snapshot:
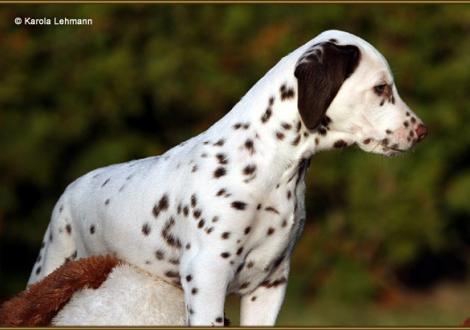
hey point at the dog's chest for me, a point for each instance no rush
(274, 233)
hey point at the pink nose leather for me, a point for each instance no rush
(421, 131)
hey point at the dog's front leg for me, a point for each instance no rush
(205, 281)
(261, 306)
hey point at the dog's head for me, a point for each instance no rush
(346, 80)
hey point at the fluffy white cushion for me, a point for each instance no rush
(128, 297)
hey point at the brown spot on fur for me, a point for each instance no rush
(267, 114)
(105, 182)
(325, 121)
(287, 93)
(169, 238)
(146, 229)
(159, 254)
(172, 274)
(238, 205)
(239, 268)
(222, 158)
(286, 126)
(322, 130)
(250, 146)
(296, 140)
(193, 200)
(275, 283)
(220, 171)
(174, 261)
(39, 304)
(161, 206)
(249, 169)
(340, 144)
(271, 209)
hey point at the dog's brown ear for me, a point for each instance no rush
(320, 72)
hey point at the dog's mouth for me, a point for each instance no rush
(393, 148)
(384, 147)
(391, 152)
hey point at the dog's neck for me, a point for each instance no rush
(269, 116)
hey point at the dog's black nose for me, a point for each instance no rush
(421, 131)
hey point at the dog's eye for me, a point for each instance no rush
(379, 89)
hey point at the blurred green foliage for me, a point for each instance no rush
(146, 77)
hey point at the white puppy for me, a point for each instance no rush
(222, 211)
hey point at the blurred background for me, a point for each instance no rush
(387, 240)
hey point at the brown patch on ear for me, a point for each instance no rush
(320, 72)
(40, 302)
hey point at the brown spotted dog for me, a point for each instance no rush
(221, 212)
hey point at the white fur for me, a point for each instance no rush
(127, 297)
(117, 200)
